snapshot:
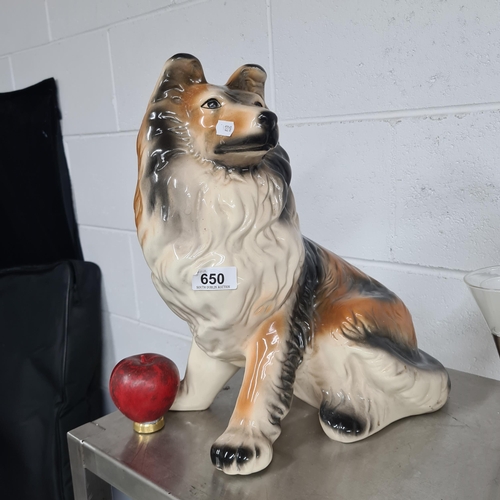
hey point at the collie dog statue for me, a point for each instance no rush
(214, 197)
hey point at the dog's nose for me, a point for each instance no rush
(268, 118)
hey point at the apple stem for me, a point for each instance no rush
(143, 358)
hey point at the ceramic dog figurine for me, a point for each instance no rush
(216, 219)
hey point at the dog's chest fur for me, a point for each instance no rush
(220, 218)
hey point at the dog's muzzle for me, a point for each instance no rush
(261, 140)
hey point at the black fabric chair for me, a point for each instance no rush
(50, 311)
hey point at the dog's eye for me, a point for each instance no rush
(257, 103)
(211, 104)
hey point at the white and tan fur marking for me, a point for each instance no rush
(224, 219)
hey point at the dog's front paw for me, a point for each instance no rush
(188, 399)
(241, 451)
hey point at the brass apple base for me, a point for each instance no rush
(149, 427)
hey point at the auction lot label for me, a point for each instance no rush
(224, 128)
(215, 278)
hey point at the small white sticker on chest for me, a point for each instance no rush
(215, 278)
(224, 128)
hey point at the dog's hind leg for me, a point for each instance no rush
(360, 389)
(333, 382)
(264, 400)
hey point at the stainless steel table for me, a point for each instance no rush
(453, 454)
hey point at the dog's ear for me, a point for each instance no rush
(179, 72)
(250, 77)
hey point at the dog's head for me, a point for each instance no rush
(227, 125)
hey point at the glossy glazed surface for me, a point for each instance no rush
(214, 191)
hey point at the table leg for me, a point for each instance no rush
(86, 485)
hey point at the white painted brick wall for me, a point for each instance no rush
(81, 65)
(389, 111)
(69, 17)
(223, 35)
(104, 168)
(23, 25)
(352, 57)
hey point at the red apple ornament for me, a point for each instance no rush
(143, 387)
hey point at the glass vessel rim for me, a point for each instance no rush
(469, 276)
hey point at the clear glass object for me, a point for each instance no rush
(484, 285)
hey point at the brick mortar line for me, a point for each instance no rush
(99, 135)
(110, 229)
(431, 112)
(401, 266)
(47, 17)
(410, 268)
(134, 280)
(270, 48)
(465, 109)
(11, 68)
(153, 327)
(113, 85)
